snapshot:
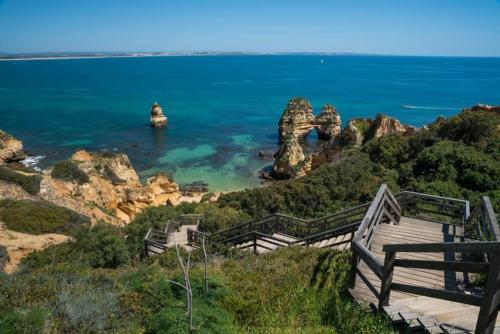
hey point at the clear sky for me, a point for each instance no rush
(408, 27)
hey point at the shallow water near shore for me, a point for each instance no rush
(222, 110)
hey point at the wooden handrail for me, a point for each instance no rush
(378, 211)
(487, 226)
(457, 247)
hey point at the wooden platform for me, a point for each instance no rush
(418, 309)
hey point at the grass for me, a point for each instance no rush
(293, 290)
(39, 217)
(29, 183)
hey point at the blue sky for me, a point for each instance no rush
(407, 27)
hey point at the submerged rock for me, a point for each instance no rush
(194, 187)
(158, 119)
(11, 149)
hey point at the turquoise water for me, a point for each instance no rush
(222, 110)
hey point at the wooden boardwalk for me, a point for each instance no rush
(403, 264)
(409, 231)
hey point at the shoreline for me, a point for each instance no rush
(220, 54)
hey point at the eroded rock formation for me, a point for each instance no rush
(298, 120)
(327, 123)
(158, 119)
(113, 193)
(384, 126)
(289, 159)
(11, 149)
(355, 131)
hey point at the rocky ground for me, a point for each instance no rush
(18, 245)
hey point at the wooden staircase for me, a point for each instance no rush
(413, 256)
(418, 271)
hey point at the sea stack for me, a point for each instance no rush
(158, 120)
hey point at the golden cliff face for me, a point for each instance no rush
(113, 192)
(11, 149)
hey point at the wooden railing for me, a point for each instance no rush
(432, 207)
(489, 302)
(305, 231)
(155, 241)
(383, 209)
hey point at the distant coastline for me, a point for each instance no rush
(89, 55)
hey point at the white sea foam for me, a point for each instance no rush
(33, 161)
(428, 108)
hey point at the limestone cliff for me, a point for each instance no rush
(297, 119)
(288, 159)
(384, 126)
(354, 132)
(296, 122)
(113, 192)
(327, 123)
(11, 149)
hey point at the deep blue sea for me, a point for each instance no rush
(222, 110)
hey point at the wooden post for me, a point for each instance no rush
(354, 267)
(255, 244)
(491, 300)
(385, 289)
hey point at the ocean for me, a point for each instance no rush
(222, 110)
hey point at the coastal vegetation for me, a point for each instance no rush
(30, 183)
(100, 281)
(39, 217)
(68, 170)
(458, 157)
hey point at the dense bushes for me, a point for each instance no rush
(30, 183)
(68, 170)
(38, 217)
(4, 257)
(102, 246)
(291, 290)
(352, 179)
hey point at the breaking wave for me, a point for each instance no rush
(33, 161)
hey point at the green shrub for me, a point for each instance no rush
(477, 128)
(4, 257)
(23, 322)
(68, 170)
(39, 217)
(103, 247)
(30, 183)
(465, 165)
(352, 179)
